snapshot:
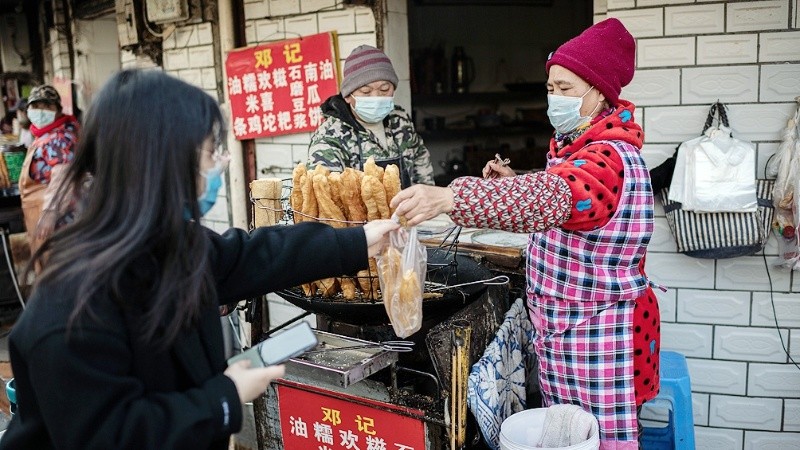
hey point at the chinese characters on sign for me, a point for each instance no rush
(278, 88)
(315, 421)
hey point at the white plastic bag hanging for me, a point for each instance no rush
(401, 270)
(715, 172)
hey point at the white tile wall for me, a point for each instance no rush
(728, 84)
(794, 345)
(341, 21)
(717, 377)
(600, 6)
(749, 344)
(791, 415)
(765, 151)
(301, 25)
(762, 121)
(256, 10)
(268, 30)
(676, 271)
(365, 21)
(674, 124)
(757, 16)
(700, 404)
(714, 307)
(620, 4)
(745, 412)
(787, 308)
(642, 22)
(689, 339)
(348, 42)
(666, 52)
(655, 154)
(776, 47)
(759, 440)
(717, 438)
(666, 304)
(284, 7)
(662, 240)
(646, 3)
(727, 49)
(310, 6)
(202, 56)
(774, 380)
(748, 273)
(654, 87)
(695, 19)
(779, 82)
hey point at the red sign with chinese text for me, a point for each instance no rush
(278, 88)
(312, 418)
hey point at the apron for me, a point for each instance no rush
(32, 198)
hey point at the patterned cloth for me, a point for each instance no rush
(54, 145)
(340, 141)
(497, 382)
(582, 292)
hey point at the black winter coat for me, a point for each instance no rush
(101, 388)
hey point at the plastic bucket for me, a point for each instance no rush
(523, 430)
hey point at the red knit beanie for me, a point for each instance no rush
(604, 55)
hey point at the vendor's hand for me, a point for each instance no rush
(422, 202)
(377, 233)
(46, 224)
(250, 383)
(494, 170)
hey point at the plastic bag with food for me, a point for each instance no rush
(401, 271)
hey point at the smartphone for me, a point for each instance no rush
(281, 347)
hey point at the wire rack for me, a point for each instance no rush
(367, 285)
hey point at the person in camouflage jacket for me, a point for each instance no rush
(340, 141)
(349, 135)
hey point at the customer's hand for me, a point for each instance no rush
(46, 224)
(250, 383)
(377, 233)
(493, 169)
(422, 202)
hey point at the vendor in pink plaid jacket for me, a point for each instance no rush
(590, 216)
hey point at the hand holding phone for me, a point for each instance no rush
(281, 347)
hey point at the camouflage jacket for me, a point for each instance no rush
(336, 143)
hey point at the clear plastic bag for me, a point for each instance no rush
(401, 270)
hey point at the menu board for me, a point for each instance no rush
(277, 88)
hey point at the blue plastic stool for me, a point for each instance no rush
(676, 391)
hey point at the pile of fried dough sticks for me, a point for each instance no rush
(342, 199)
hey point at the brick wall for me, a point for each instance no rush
(746, 394)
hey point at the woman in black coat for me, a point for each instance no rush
(120, 346)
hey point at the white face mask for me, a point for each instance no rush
(41, 117)
(565, 112)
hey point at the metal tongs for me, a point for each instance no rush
(392, 346)
(494, 281)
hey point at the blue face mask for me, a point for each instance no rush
(373, 109)
(565, 112)
(213, 179)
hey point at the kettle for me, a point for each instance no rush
(462, 71)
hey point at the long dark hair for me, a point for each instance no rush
(140, 142)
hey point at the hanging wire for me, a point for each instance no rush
(774, 313)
